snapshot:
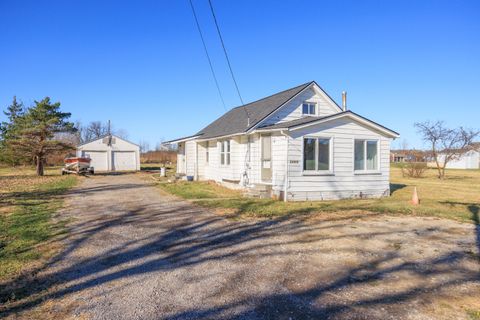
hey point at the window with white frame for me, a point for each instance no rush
(317, 154)
(366, 155)
(225, 152)
(309, 108)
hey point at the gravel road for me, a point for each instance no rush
(137, 253)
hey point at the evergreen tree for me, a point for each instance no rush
(36, 129)
(8, 128)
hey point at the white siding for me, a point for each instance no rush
(181, 168)
(190, 157)
(240, 160)
(118, 145)
(201, 153)
(344, 182)
(211, 168)
(470, 160)
(293, 109)
(230, 172)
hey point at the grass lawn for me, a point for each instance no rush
(457, 197)
(27, 205)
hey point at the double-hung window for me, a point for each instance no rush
(366, 155)
(317, 155)
(225, 152)
(309, 108)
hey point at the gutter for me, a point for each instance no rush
(285, 186)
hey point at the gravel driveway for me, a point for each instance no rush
(136, 253)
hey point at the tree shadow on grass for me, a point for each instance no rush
(178, 236)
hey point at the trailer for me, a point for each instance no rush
(77, 165)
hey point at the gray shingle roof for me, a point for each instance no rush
(235, 120)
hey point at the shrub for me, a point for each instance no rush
(414, 169)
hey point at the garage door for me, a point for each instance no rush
(99, 159)
(124, 161)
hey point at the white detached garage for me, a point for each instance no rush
(111, 153)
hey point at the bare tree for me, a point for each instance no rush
(446, 144)
(144, 146)
(121, 133)
(95, 130)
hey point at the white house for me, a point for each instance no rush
(470, 160)
(111, 153)
(297, 143)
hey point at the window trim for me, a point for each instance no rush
(317, 172)
(315, 104)
(223, 154)
(365, 170)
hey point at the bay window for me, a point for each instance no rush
(366, 155)
(317, 154)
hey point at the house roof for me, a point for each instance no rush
(305, 121)
(235, 120)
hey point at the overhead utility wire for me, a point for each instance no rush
(228, 61)
(208, 56)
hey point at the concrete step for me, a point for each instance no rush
(259, 191)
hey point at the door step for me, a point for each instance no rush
(263, 191)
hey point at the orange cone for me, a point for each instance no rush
(415, 200)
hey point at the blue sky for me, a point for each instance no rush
(141, 63)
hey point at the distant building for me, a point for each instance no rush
(111, 153)
(470, 160)
(398, 157)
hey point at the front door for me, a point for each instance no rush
(266, 158)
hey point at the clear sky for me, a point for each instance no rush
(141, 63)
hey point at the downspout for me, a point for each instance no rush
(246, 178)
(285, 186)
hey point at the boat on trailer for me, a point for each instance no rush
(77, 165)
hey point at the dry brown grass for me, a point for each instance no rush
(457, 197)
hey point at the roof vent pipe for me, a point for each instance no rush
(344, 100)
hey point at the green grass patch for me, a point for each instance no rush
(199, 190)
(473, 314)
(26, 221)
(457, 197)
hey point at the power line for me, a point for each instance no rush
(208, 56)
(228, 60)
